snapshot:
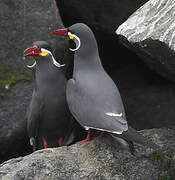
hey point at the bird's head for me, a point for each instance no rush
(80, 33)
(40, 50)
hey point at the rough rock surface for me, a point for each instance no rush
(22, 22)
(150, 33)
(102, 15)
(14, 140)
(98, 159)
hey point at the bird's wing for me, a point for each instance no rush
(94, 114)
(33, 118)
(71, 96)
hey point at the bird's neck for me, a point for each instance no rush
(48, 74)
(87, 56)
(85, 63)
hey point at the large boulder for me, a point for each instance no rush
(149, 100)
(98, 159)
(102, 15)
(150, 33)
(22, 22)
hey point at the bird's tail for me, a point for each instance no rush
(134, 136)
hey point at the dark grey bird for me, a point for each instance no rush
(93, 97)
(49, 121)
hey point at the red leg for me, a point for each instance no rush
(60, 141)
(88, 137)
(45, 144)
(103, 134)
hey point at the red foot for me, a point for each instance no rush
(45, 144)
(60, 141)
(88, 137)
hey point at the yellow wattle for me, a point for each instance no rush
(71, 36)
(43, 53)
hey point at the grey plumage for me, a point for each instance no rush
(48, 116)
(92, 96)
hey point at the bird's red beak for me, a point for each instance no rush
(35, 51)
(61, 32)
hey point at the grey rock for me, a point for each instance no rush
(102, 15)
(98, 159)
(14, 140)
(150, 33)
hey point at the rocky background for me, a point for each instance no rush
(137, 50)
